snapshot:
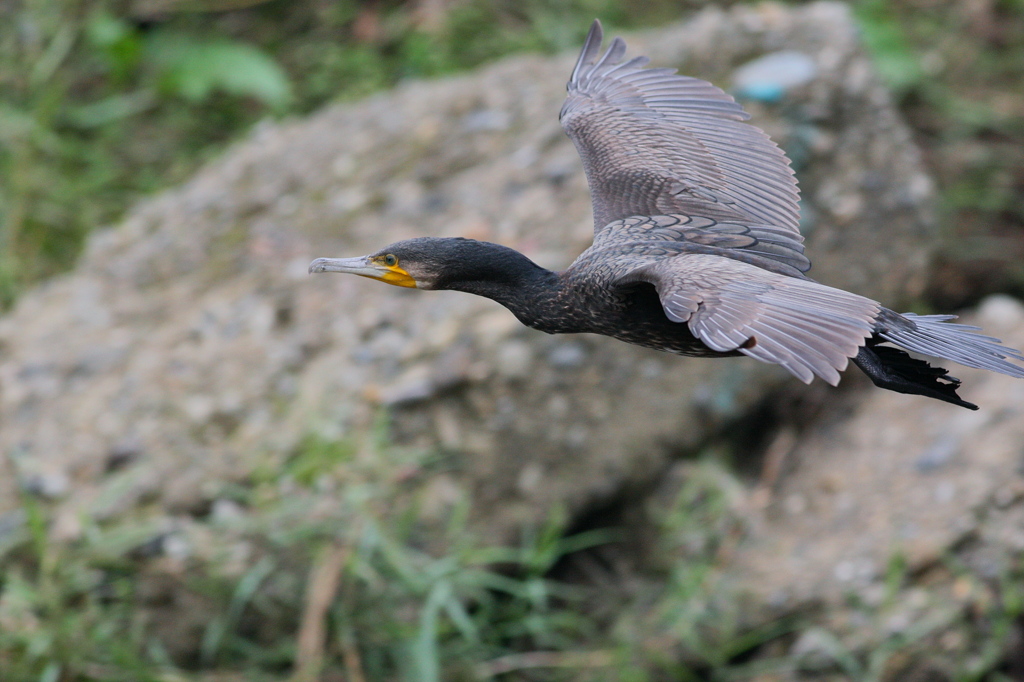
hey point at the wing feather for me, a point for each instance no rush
(644, 133)
(771, 245)
(591, 47)
(808, 328)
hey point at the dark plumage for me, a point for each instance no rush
(696, 247)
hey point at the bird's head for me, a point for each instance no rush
(435, 263)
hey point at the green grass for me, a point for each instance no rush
(148, 598)
(85, 611)
(225, 596)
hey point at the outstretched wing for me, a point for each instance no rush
(808, 328)
(654, 142)
(773, 248)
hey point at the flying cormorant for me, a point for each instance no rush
(697, 249)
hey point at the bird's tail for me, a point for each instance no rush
(936, 336)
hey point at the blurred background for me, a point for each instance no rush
(318, 564)
(105, 102)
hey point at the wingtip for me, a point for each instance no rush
(591, 47)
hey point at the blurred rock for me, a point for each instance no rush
(191, 333)
(898, 478)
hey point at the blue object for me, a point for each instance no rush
(770, 77)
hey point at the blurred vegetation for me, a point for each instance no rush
(321, 568)
(91, 612)
(957, 71)
(105, 101)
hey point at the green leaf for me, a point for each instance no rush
(221, 627)
(110, 109)
(104, 29)
(194, 68)
(890, 49)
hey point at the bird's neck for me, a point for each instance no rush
(528, 290)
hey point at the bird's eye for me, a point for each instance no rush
(391, 260)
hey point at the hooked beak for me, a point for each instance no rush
(364, 267)
(353, 266)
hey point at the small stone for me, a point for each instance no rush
(122, 454)
(769, 78)
(576, 436)
(198, 408)
(814, 649)
(176, 547)
(557, 172)
(530, 478)
(524, 157)
(226, 511)
(873, 595)
(11, 523)
(860, 571)
(918, 598)
(847, 207)
(514, 359)
(558, 406)
(567, 356)
(453, 367)
(297, 268)
(443, 334)
(1006, 496)
(491, 328)
(348, 200)
(952, 640)
(795, 504)
(486, 120)
(440, 494)
(287, 205)
(52, 485)
(962, 588)
(67, 527)
(899, 622)
(651, 369)
(938, 454)
(845, 571)
(413, 385)
(944, 492)
(343, 166)
(1001, 311)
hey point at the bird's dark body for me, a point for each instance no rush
(588, 297)
(569, 303)
(697, 248)
(635, 315)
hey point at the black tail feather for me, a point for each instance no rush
(893, 369)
